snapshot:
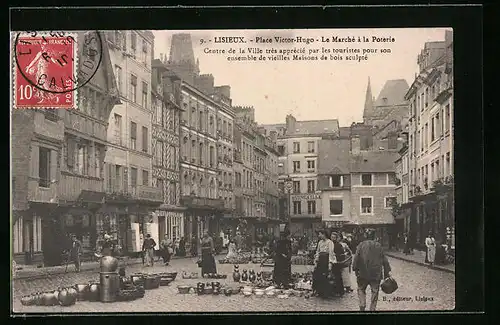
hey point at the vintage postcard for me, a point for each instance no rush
(301, 170)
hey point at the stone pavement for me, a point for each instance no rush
(420, 287)
(418, 257)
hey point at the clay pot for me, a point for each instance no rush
(236, 274)
(200, 288)
(82, 290)
(37, 298)
(49, 299)
(65, 297)
(244, 276)
(252, 277)
(28, 300)
(183, 289)
(94, 289)
(109, 264)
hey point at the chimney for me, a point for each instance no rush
(290, 124)
(355, 145)
(274, 136)
(224, 90)
(205, 83)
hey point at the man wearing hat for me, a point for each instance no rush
(370, 265)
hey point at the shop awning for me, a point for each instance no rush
(91, 197)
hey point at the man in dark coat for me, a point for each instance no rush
(282, 260)
(370, 265)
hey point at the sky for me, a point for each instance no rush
(309, 90)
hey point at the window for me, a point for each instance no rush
(433, 134)
(119, 81)
(296, 186)
(144, 139)
(159, 112)
(43, 167)
(133, 136)
(426, 135)
(144, 101)
(297, 207)
(310, 146)
(311, 188)
(144, 51)
(159, 153)
(448, 164)
(118, 129)
(389, 201)
(336, 207)
(145, 178)
(296, 147)
(133, 43)
(311, 165)
(366, 205)
(391, 179)
(447, 122)
(426, 97)
(367, 179)
(159, 184)
(311, 207)
(82, 159)
(437, 125)
(296, 166)
(133, 177)
(133, 88)
(281, 150)
(336, 181)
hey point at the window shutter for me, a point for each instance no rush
(144, 139)
(112, 177)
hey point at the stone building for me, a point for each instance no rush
(58, 171)
(430, 145)
(131, 198)
(166, 149)
(206, 141)
(298, 148)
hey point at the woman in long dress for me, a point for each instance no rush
(323, 262)
(430, 242)
(338, 249)
(207, 255)
(346, 271)
(282, 260)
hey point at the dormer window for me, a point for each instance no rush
(336, 181)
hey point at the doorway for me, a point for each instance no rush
(28, 241)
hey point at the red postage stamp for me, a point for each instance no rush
(45, 70)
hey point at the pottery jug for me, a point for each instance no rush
(236, 275)
(259, 276)
(109, 264)
(27, 300)
(94, 291)
(244, 276)
(66, 298)
(200, 287)
(251, 276)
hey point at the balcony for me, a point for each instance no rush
(71, 185)
(191, 201)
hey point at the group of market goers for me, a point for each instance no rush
(335, 258)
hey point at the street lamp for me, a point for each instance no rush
(288, 186)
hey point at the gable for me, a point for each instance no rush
(336, 170)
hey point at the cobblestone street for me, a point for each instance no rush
(436, 286)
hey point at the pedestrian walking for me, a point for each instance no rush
(346, 270)
(75, 252)
(282, 272)
(338, 249)
(148, 247)
(370, 265)
(182, 247)
(406, 249)
(323, 263)
(430, 243)
(165, 249)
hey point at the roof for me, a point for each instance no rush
(333, 156)
(344, 131)
(394, 91)
(315, 127)
(373, 161)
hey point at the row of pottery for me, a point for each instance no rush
(63, 296)
(214, 276)
(246, 275)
